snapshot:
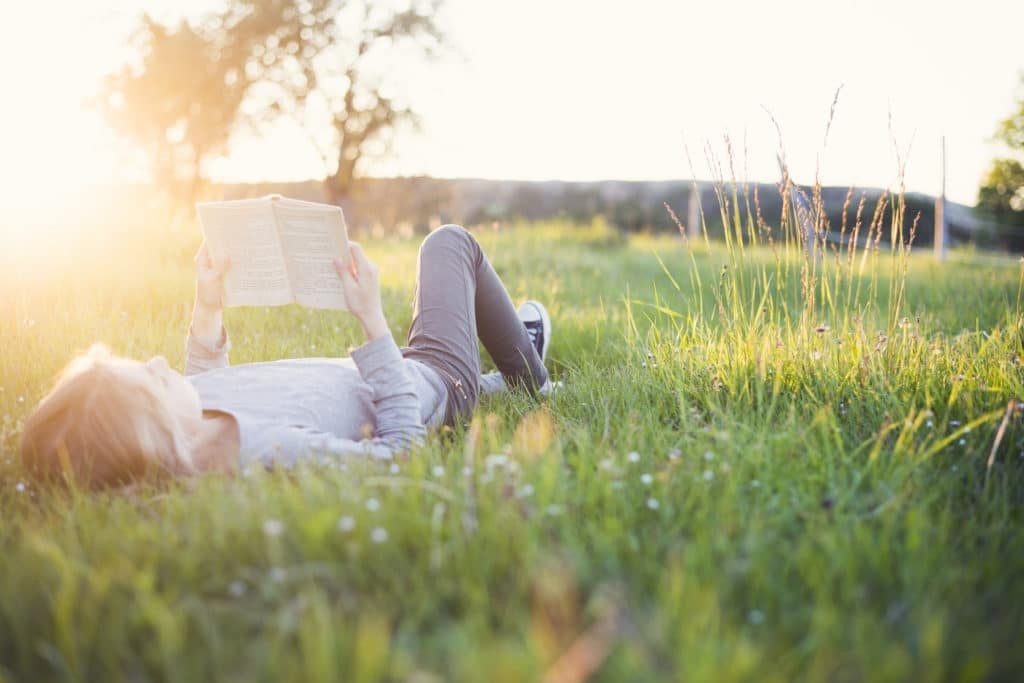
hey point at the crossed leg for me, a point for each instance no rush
(459, 298)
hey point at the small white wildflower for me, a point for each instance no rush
(312, 347)
(708, 475)
(379, 535)
(954, 423)
(394, 468)
(967, 430)
(20, 486)
(754, 483)
(346, 524)
(607, 464)
(526, 491)
(674, 454)
(236, 588)
(273, 527)
(963, 441)
(21, 399)
(709, 456)
(633, 456)
(652, 504)
(755, 617)
(467, 471)
(929, 424)
(372, 504)
(646, 478)
(554, 510)
(437, 471)
(278, 574)
(496, 460)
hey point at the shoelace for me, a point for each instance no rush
(535, 329)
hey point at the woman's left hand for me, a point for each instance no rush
(210, 280)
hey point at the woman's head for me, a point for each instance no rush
(109, 421)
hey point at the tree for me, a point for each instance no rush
(178, 101)
(1002, 192)
(330, 65)
(1001, 195)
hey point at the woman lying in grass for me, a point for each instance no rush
(110, 421)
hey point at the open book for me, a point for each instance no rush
(281, 250)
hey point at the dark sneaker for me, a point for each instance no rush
(538, 326)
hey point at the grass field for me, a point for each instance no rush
(760, 468)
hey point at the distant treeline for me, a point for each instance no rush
(415, 204)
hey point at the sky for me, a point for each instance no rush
(585, 90)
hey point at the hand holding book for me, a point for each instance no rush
(210, 279)
(361, 280)
(207, 313)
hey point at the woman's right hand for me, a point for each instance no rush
(361, 281)
(210, 280)
(207, 313)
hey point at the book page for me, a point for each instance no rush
(311, 236)
(245, 230)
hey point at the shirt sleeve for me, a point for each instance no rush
(397, 406)
(206, 353)
(399, 425)
(293, 444)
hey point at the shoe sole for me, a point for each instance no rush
(546, 322)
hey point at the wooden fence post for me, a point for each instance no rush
(940, 212)
(693, 226)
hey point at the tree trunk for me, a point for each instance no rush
(341, 195)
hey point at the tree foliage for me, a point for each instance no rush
(1001, 194)
(332, 66)
(178, 100)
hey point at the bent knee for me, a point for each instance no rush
(448, 236)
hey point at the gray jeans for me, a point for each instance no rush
(459, 298)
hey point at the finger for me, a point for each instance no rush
(221, 267)
(358, 255)
(344, 271)
(364, 264)
(357, 260)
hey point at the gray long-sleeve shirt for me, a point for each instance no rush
(374, 404)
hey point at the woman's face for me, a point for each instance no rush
(180, 397)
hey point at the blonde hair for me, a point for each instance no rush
(101, 426)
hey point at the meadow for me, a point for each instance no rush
(762, 466)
